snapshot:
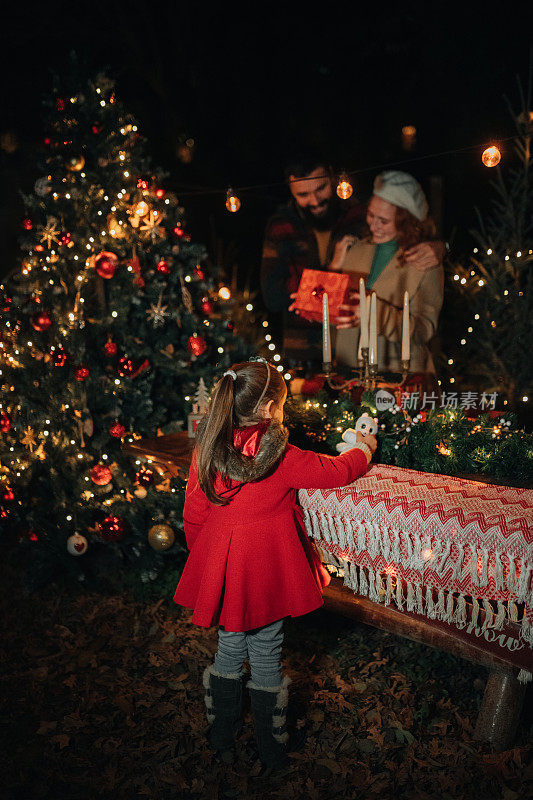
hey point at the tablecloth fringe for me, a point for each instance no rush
(441, 604)
(421, 552)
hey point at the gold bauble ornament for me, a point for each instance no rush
(114, 228)
(161, 537)
(76, 163)
(141, 209)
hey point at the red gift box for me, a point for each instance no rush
(313, 284)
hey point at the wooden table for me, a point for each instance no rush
(504, 694)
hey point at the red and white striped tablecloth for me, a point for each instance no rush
(454, 550)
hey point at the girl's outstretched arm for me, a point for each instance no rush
(303, 469)
(197, 506)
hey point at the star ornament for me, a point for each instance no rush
(157, 313)
(49, 232)
(29, 439)
(152, 226)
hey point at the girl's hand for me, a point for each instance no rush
(349, 313)
(303, 314)
(339, 254)
(369, 440)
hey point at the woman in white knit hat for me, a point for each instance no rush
(397, 218)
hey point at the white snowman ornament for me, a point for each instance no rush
(365, 425)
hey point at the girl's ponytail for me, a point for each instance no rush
(214, 436)
(238, 399)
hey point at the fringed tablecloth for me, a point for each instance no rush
(454, 550)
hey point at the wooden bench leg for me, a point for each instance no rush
(500, 710)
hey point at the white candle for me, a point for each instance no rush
(406, 344)
(373, 335)
(326, 340)
(363, 336)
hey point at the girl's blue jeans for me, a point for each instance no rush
(262, 648)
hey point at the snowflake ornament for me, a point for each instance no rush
(157, 312)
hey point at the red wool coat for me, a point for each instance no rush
(251, 562)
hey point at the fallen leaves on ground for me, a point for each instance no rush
(102, 697)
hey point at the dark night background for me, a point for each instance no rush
(251, 90)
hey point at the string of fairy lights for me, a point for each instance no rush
(491, 157)
(481, 283)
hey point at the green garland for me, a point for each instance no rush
(443, 441)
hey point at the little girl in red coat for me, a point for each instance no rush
(251, 563)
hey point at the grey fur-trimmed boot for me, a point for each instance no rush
(223, 701)
(269, 706)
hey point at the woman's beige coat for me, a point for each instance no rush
(425, 302)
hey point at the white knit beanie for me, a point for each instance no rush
(402, 190)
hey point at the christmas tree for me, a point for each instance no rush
(106, 330)
(495, 353)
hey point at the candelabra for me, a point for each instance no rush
(366, 375)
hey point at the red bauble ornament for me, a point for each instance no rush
(207, 307)
(101, 475)
(178, 230)
(113, 529)
(160, 193)
(117, 430)
(96, 128)
(65, 239)
(41, 321)
(196, 344)
(59, 357)
(125, 367)
(106, 264)
(198, 271)
(27, 224)
(81, 374)
(5, 422)
(8, 495)
(110, 349)
(144, 477)
(163, 267)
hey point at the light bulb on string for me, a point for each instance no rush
(232, 201)
(408, 137)
(491, 156)
(344, 186)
